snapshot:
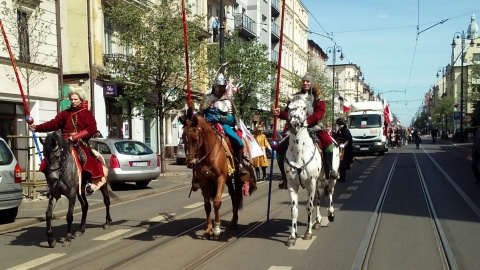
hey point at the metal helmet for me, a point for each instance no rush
(220, 79)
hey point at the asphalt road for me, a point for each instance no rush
(161, 227)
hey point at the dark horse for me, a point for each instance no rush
(206, 155)
(63, 178)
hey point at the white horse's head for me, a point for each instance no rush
(297, 113)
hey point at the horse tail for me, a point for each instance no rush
(112, 194)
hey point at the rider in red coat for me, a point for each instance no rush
(77, 125)
(316, 111)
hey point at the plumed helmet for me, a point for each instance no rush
(220, 79)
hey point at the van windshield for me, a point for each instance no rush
(365, 121)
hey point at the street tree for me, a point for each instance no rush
(31, 34)
(154, 75)
(443, 112)
(247, 64)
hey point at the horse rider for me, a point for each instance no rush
(217, 107)
(78, 125)
(316, 111)
(344, 138)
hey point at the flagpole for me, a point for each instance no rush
(28, 119)
(187, 68)
(275, 117)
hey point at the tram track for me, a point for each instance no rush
(365, 250)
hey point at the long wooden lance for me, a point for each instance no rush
(275, 117)
(29, 119)
(187, 67)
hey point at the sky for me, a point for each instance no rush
(381, 37)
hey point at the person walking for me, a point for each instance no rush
(344, 137)
(434, 133)
(261, 161)
(416, 137)
(215, 28)
(476, 157)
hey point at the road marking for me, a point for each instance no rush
(324, 223)
(367, 172)
(37, 262)
(358, 181)
(362, 176)
(337, 206)
(111, 235)
(162, 217)
(301, 244)
(352, 188)
(344, 196)
(370, 168)
(274, 267)
(195, 205)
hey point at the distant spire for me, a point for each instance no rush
(472, 31)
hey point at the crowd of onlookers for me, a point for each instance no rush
(398, 136)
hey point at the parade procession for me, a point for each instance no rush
(148, 134)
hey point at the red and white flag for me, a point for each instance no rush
(345, 104)
(387, 113)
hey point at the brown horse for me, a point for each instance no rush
(206, 155)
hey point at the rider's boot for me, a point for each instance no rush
(195, 184)
(244, 174)
(327, 163)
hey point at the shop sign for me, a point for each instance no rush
(110, 90)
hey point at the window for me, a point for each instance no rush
(23, 37)
(108, 36)
(365, 121)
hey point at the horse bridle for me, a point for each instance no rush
(191, 156)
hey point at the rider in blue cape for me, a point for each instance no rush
(217, 106)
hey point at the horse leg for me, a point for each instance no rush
(329, 194)
(208, 209)
(310, 207)
(294, 209)
(81, 229)
(106, 201)
(217, 203)
(232, 191)
(48, 216)
(71, 205)
(317, 225)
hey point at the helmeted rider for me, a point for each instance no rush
(216, 106)
(315, 112)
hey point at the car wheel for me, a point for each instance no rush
(8, 215)
(142, 184)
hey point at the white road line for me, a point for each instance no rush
(195, 205)
(367, 172)
(324, 223)
(301, 244)
(111, 235)
(37, 262)
(161, 217)
(358, 181)
(370, 168)
(352, 188)
(362, 176)
(274, 267)
(337, 206)
(344, 196)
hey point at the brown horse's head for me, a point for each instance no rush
(193, 140)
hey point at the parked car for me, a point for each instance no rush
(180, 153)
(128, 160)
(10, 184)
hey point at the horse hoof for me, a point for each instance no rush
(331, 217)
(206, 236)
(307, 236)
(317, 226)
(78, 233)
(66, 243)
(52, 243)
(106, 226)
(215, 237)
(290, 242)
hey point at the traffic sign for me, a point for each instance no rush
(456, 116)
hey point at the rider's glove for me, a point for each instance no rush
(342, 145)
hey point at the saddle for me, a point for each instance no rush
(227, 146)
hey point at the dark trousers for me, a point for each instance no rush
(474, 166)
(215, 34)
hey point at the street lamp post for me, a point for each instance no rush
(334, 51)
(462, 56)
(442, 69)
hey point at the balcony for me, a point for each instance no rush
(275, 8)
(274, 56)
(245, 26)
(112, 58)
(275, 32)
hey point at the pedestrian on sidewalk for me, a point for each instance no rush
(434, 133)
(417, 138)
(476, 157)
(344, 138)
(261, 161)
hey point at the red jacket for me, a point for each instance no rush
(75, 120)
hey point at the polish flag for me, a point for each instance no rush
(346, 105)
(387, 113)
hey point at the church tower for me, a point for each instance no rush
(472, 32)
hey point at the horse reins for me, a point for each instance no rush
(196, 149)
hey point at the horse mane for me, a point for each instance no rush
(54, 140)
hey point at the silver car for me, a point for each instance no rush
(128, 160)
(10, 184)
(180, 153)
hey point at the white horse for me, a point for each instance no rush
(303, 167)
